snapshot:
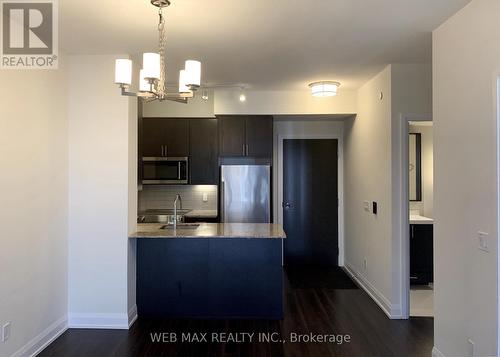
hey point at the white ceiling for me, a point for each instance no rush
(264, 44)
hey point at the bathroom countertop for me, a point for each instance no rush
(417, 219)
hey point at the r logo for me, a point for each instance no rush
(27, 28)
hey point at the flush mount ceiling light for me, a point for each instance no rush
(324, 88)
(152, 76)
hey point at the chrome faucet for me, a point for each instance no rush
(177, 199)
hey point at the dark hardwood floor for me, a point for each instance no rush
(317, 310)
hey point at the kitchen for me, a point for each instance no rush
(139, 217)
(204, 208)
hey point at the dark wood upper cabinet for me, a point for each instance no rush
(153, 137)
(232, 136)
(165, 137)
(246, 135)
(259, 136)
(203, 151)
(177, 138)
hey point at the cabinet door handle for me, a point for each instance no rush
(412, 231)
(179, 170)
(162, 151)
(166, 153)
(243, 146)
(246, 149)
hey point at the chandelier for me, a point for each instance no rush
(152, 76)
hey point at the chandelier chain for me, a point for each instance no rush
(161, 48)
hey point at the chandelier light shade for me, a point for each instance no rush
(153, 76)
(151, 65)
(143, 83)
(123, 71)
(193, 73)
(183, 88)
(324, 88)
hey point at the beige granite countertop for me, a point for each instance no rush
(211, 230)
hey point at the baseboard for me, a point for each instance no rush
(43, 339)
(132, 315)
(436, 352)
(99, 321)
(391, 310)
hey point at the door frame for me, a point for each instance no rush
(278, 214)
(404, 218)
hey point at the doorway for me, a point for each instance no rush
(310, 202)
(421, 218)
(416, 219)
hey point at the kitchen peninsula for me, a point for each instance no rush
(210, 270)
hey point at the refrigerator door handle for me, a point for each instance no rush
(222, 201)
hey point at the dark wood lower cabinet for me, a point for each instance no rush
(421, 254)
(210, 278)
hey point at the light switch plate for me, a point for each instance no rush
(483, 243)
(366, 206)
(205, 197)
(5, 332)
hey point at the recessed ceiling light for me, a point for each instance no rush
(243, 96)
(324, 88)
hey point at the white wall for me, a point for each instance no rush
(226, 101)
(102, 176)
(466, 59)
(33, 213)
(373, 173)
(283, 103)
(195, 108)
(425, 206)
(367, 171)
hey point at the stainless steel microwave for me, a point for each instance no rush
(165, 170)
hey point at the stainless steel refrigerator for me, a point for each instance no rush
(246, 193)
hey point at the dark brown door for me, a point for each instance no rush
(259, 136)
(232, 136)
(203, 151)
(310, 202)
(153, 137)
(176, 137)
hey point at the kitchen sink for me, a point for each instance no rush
(181, 226)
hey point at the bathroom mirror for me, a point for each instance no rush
(415, 167)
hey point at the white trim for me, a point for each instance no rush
(496, 103)
(402, 261)
(99, 321)
(278, 213)
(437, 353)
(132, 315)
(391, 310)
(43, 339)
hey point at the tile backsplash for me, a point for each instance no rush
(162, 197)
